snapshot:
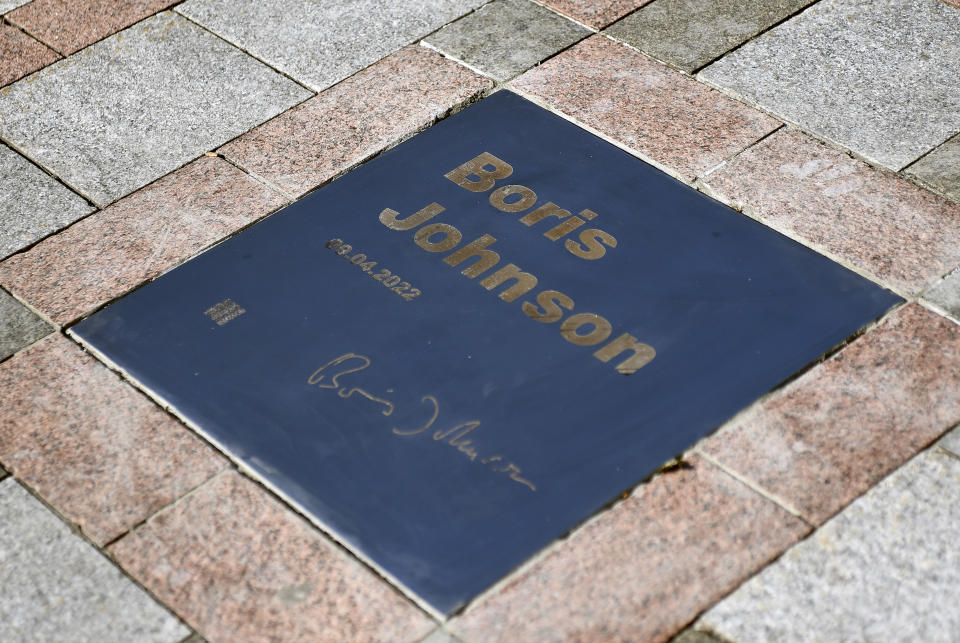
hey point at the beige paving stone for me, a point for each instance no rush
(239, 566)
(348, 123)
(642, 570)
(663, 115)
(832, 434)
(137, 238)
(100, 452)
(873, 219)
(886, 569)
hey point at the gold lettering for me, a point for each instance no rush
(389, 217)
(550, 209)
(464, 428)
(592, 241)
(433, 418)
(498, 198)
(643, 354)
(477, 167)
(316, 377)
(487, 258)
(548, 300)
(601, 329)
(525, 282)
(569, 225)
(451, 238)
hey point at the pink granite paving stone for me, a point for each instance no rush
(239, 566)
(21, 55)
(137, 238)
(100, 452)
(595, 13)
(71, 25)
(669, 119)
(644, 569)
(873, 219)
(353, 120)
(829, 436)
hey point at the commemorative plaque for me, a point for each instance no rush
(459, 351)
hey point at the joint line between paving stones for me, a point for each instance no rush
(238, 465)
(167, 506)
(246, 52)
(780, 502)
(289, 198)
(754, 37)
(570, 18)
(727, 91)
(699, 181)
(54, 327)
(5, 20)
(102, 551)
(930, 151)
(934, 308)
(307, 87)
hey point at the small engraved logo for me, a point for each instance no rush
(226, 310)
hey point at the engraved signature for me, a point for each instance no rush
(328, 377)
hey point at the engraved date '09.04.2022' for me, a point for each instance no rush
(384, 276)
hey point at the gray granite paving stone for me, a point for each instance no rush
(688, 34)
(10, 5)
(951, 441)
(33, 204)
(885, 569)
(507, 37)
(3, 473)
(140, 104)
(55, 587)
(320, 43)
(946, 294)
(940, 169)
(19, 327)
(695, 636)
(876, 76)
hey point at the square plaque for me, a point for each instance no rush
(459, 351)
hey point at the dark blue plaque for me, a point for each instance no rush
(456, 353)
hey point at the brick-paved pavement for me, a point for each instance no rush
(137, 134)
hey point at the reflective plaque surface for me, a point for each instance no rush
(454, 354)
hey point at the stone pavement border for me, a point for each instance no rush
(902, 235)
